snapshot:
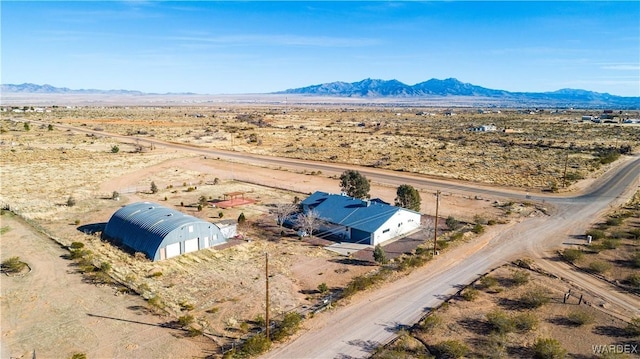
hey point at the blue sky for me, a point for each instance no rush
(260, 46)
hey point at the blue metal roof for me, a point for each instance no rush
(364, 215)
(142, 226)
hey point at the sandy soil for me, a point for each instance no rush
(53, 312)
(224, 287)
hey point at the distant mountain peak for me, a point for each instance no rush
(453, 87)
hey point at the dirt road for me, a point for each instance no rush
(356, 329)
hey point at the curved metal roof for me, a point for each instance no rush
(142, 226)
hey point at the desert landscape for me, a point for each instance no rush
(67, 169)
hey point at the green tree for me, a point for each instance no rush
(154, 187)
(241, 218)
(408, 197)
(115, 149)
(379, 255)
(50, 127)
(354, 184)
(26, 126)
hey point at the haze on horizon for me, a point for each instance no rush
(261, 46)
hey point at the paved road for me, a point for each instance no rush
(355, 330)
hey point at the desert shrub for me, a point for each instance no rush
(186, 305)
(605, 157)
(153, 187)
(431, 322)
(115, 149)
(154, 301)
(478, 228)
(242, 219)
(13, 265)
(470, 294)
(634, 233)
(244, 327)
(77, 355)
(220, 214)
(596, 234)
(442, 244)
(525, 322)
(450, 349)
(610, 243)
(105, 267)
(571, 255)
(534, 298)
(323, 288)
(4, 229)
(635, 259)
(478, 219)
(76, 222)
(500, 322)
(599, 266)
(289, 325)
(452, 223)
(456, 236)
(185, 320)
(580, 317)
(71, 201)
(260, 321)
(613, 221)
(548, 348)
(115, 195)
(76, 245)
(519, 277)
(199, 208)
(487, 282)
(194, 332)
(213, 310)
(633, 328)
(634, 280)
(256, 345)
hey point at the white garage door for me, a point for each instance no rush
(173, 250)
(191, 245)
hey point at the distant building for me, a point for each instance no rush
(484, 128)
(360, 221)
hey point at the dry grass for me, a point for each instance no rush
(533, 156)
(495, 324)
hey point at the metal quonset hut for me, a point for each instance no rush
(160, 232)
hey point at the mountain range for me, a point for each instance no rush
(442, 90)
(374, 88)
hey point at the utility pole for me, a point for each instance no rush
(266, 271)
(564, 176)
(435, 227)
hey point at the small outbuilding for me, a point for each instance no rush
(160, 232)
